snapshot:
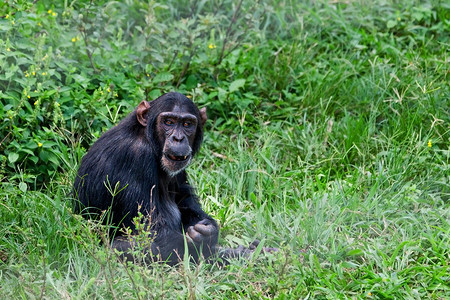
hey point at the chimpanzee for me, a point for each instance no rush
(138, 167)
(145, 155)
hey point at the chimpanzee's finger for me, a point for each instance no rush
(204, 229)
(194, 234)
(205, 222)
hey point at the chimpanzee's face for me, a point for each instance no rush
(173, 129)
(176, 133)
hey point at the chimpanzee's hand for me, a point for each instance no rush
(203, 231)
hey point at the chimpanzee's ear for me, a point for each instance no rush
(141, 112)
(203, 116)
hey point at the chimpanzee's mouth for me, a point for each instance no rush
(177, 158)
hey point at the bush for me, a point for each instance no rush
(70, 71)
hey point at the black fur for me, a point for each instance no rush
(129, 154)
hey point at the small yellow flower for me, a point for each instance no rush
(429, 144)
(35, 91)
(78, 38)
(39, 24)
(7, 16)
(212, 46)
(34, 73)
(28, 96)
(101, 92)
(189, 96)
(39, 145)
(148, 75)
(35, 103)
(108, 90)
(7, 49)
(74, 40)
(369, 294)
(398, 19)
(115, 95)
(53, 14)
(57, 104)
(43, 73)
(13, 22)
(26, 74)
(49, 11)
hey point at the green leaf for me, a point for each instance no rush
(235, 85)
(349, 264)
(53, 159)
(161, 77)
(28, 151)
(154, 94)
(13, 157)
(23, 187)
(81, 80)
(222, 94)
(355, 252)
(417, 16)
(44, 156)
(391, 24)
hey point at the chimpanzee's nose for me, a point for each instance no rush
(178, 137)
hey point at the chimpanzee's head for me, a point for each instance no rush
(174, 128)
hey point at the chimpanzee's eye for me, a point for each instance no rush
(168, 122)
(187, 124)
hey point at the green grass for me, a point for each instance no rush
(328, 137)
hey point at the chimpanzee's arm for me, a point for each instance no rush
(201, 230)
(187, 201)
(190, 209)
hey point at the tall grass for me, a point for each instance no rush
(335, 147)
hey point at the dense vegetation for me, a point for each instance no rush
(328, 137)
